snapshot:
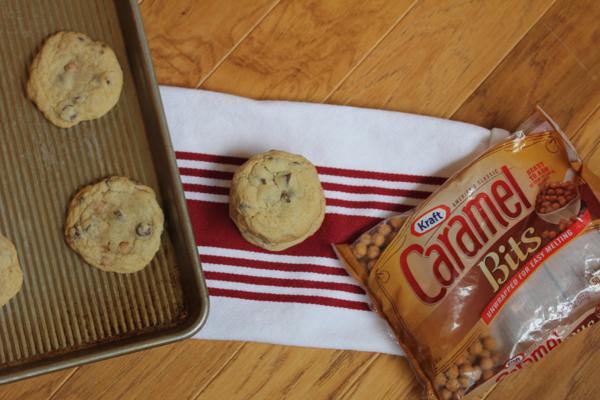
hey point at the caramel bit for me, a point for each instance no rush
(555, 195)
(70, 66)
(370, 245)
(470, 368)
(105, 260)
(125, 247)
(98, 206)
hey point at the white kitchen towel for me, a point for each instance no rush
(371, 163)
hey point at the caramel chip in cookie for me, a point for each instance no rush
(74, 78)
(11, 277)
(115, 225)
(276, 200)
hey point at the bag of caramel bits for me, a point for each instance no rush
(494, 270)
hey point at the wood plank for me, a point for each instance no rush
(189, 38)
(388, 377)
(38, 388)
(304, 48)
(552, 66)
(587, 139)
(175, 371)
(261, 371)
(436, 56)
(569, 372)
(593, 162)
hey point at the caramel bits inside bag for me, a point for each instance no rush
(492, 271)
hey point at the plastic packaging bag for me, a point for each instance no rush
(493, 270)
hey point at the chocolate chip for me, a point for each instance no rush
(118, 214)
(263, 181)
(68, 113)
(285, 197)
(75, 233)
(108, 81)
(144, 229)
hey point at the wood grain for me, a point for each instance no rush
(176, 371)
(385, 378)
(593, 161)
(586, 139)
(38, 388)
(188, 38)
(261, 371)
(304, 48)
(552, 66)
(437, 55)
(569, 372)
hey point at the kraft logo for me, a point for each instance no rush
(518, 359)
(429, 220)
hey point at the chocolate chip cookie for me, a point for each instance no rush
(115, 225)
(74, 78)
(276, 200)
(11, 277)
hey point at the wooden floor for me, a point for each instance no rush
(487, 62)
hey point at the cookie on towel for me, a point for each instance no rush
(115, 225)
(11, 277)
(74, 78)
(276, 200)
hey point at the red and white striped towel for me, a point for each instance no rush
(371, 163)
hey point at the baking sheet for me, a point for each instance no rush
(69, 313)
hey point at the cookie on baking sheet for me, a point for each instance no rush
(11, 277)
(276, 200)
(74, 78)
(115, 225)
